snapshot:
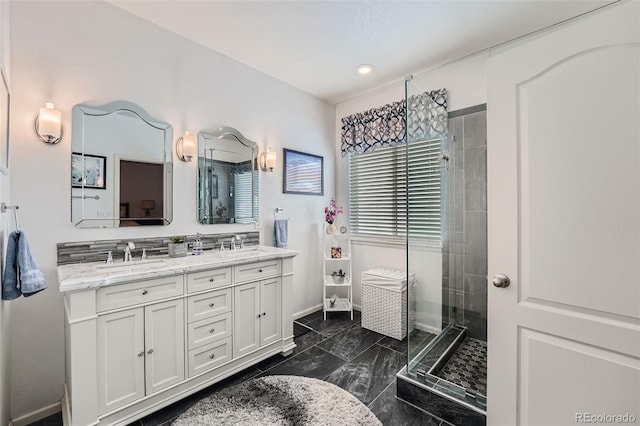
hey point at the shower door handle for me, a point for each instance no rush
(501, 281)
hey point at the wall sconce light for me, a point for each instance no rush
(49, 124)
(186, 147)
(268, 161)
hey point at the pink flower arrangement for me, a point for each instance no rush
(332, 212)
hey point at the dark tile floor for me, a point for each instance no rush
(339, 351)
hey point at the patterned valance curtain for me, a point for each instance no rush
(386, 126)
(427, 115)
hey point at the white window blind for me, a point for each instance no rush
(378, 191)
(245, 204)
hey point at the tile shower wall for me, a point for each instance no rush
(465, 251)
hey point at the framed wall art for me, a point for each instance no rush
(303, 173)
(214, 187)
(88, 171)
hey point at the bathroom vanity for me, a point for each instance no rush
(144, 334)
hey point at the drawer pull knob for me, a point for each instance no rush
(213, 330)
(259, 315)
(212, 356)
(141, 354)
(211, 279)
(144, 292)
(150, 351)
(264, 313)
(211, 305)
(259, 270)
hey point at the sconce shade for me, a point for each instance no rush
(147, 206)
(268, 161)
(186, 147)
(49, 124)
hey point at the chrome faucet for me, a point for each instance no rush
(127, 251)
(237, 239)
(240, 239)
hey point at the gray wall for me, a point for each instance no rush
(465, 257)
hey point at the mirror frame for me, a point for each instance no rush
(232, 134)
(79, 112)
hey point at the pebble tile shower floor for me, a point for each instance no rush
(338, 351)
(468, 366)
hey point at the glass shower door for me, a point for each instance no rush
(446, 246)
(427, 211)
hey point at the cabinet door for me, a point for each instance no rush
(164, 344)
(246, 323)
(270, 324)
(120, 358)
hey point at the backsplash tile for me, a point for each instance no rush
(96, 251)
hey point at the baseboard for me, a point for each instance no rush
(307, 311)
(39, 414)
(318, 307)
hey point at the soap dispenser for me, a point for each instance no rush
(197, 246)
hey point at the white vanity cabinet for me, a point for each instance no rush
(140, 351)
(149, 339)
(256, 313)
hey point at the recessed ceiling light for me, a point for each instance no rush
(364, 69)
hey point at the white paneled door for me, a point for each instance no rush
(564, 224)
(120, 353)
(164, 344)
(270, 319)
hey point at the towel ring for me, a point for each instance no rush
(277, 210)
(4, 207)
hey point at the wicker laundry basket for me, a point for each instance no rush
(384, 302)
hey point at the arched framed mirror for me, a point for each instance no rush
(227, 177)
(121, 167)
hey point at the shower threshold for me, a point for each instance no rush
(424, 382)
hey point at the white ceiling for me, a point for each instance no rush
(316, 45)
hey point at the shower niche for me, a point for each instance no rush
(447, 351)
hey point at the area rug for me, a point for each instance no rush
(279, 400)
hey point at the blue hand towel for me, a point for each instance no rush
(280, 233)
(22, 274)
(10, 283)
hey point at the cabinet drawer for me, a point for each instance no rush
(257, 271)
(208, 305)
(210, 356)
(121, 295)
(209, 330)
(208, 280)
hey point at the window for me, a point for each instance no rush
(378, 191)
(246, 199)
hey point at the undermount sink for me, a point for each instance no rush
(242, 253)
(129, 266)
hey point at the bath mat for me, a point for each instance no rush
(279, 400)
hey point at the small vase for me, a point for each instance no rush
(331, 229)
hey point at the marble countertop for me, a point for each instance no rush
(81, 276)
